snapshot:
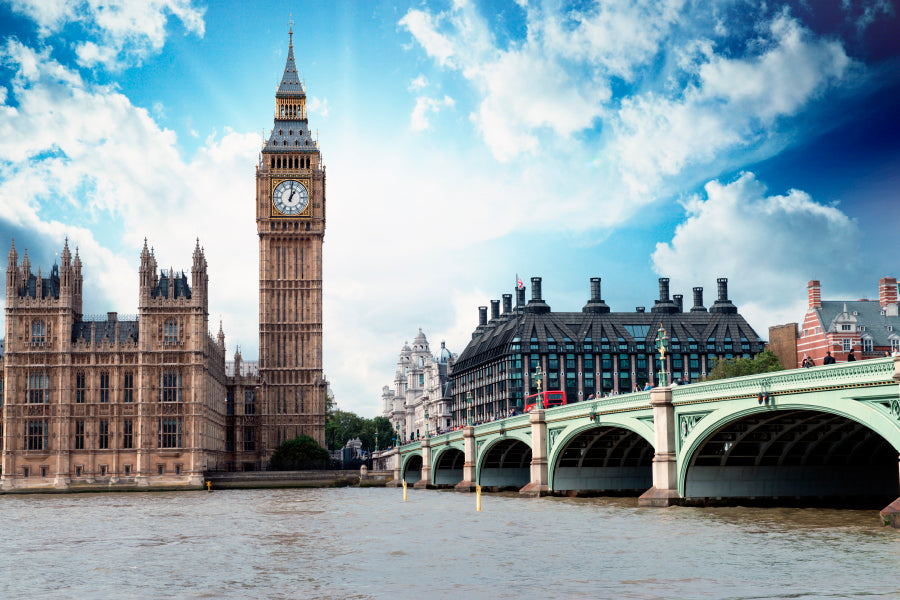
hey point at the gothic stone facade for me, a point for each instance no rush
(131, 401)
(421, 386)
(290, 220)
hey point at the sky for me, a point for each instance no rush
(466, 143)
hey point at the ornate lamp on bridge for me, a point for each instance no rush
(397, 439)
(426, 423)
(538, 378)
(469, 420)
(661, 346)
(376, 441)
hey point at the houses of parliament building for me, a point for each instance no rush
(149, 400)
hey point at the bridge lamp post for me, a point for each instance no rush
(469, 420)
(426, 423)
(538, 378)
(661, 346)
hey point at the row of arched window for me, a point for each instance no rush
(290, 162)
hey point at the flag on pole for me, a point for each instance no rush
(519, 284)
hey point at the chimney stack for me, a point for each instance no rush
(507, 303)
(520, 297)
(887, 294)
(663, 289)
(536, 289)
(698, 300)
(814, 291)
(679, 302)
(664, 304)
(596, 303)
(537, 304)
(723, 304)
(495, 309)
(482, 316)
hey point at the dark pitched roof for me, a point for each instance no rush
(105, 330)
(868, 315)
(49, 285)
(493, 341)
(290, 85)
(182, 287)
(290, 135)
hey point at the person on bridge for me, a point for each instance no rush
(829, 359)
(851, 357)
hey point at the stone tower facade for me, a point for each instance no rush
(118, 401)
(290, 218)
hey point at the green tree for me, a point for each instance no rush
(764, 362)
(343, 426)
(300, 452)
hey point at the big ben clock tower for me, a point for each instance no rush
(290, 219)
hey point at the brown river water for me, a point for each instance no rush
(368, 543)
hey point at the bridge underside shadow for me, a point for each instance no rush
(794, 457)
(448, 470)
(507, 466)
(413, 471)
(605, 461)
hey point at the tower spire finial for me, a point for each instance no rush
(291, 29)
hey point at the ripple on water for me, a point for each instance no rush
(368, 543)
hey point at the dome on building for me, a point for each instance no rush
(406, 351)
(420, 338)
(444, 355)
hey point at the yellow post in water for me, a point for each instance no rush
(477, 498)
(404, 490)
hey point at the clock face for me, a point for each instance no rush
(290, 197)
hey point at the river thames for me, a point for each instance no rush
(368, 543)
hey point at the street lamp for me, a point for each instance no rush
(661, 340)
(538, 378)
(426, 423)
(469, 420)
(376, 441)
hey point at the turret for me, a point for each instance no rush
(221, 337)
(77, 284)
(12, 274)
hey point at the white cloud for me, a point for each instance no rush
(316, 106)
(424, 107)
(103, 160)
(422, 26)
(126, 31)
(418, 83)
(731, 110)
(767, 245)
(689, 102)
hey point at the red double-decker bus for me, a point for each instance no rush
(550, 399)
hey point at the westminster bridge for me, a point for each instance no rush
(830, 432)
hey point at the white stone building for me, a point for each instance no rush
(421, 384)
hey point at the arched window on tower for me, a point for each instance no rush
(170, 333)
(37, 331)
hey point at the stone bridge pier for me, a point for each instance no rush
(826, 434)
(665, 474)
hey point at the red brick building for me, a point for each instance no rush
(867, 327)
